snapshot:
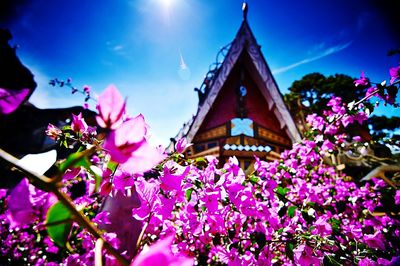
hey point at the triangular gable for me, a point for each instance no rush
(245, 42)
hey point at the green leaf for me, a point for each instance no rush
(200, 160)
(253, 179)
(188, 194)
(77, 159)
(59, 223)
(289, 250)
(112, 166)
(67, 127)
(81, 159)
(312, 204)
(246, 224)
(64, 143)
(198, 184)
(281, 191)
(329, 260)
(335, 224)
(291, 211)
(97, 177)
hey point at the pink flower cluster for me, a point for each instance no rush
(386, 93)
(127, 142)
(297, 210)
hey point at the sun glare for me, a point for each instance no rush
(166, 3)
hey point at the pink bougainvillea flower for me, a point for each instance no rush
(167, 207)
(336, 104)
(144, 158)
(327, 146)
(78, 123)
(173, 176)
(20, 208)
(102, 218)
(50, 245)
(316, 122)
(111, 108)
(53, 132)
(122, 181)
(149, 200)
(304, 256)
(160, 254)
(86, 89)
(230, 257)
(397, 197)
(10, 100)
(347, 120)
(384, 262)
(210, 201)
(375, 241)
(71, 173)
(3, 192)
(394, 74)
(106, 188)
(360, 117)
(181, 145)
(370, 91)
(128, 146)
(322, 226)
(26, 204)
(362, 81)
(366, 262)
(126, 139)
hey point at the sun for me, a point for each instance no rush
(166, 3)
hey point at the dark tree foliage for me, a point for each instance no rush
(380, 123)
(315, 90)
(311, 93)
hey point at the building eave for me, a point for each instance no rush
(245, 41)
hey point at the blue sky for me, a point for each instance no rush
(141, 45)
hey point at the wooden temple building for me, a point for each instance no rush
(241, 111)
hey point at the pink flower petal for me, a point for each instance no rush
(10, 100)
(111, 107)
(160, 254)
(143, 159)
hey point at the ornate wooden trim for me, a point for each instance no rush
(213, 151)
(213, 133)
(245, 41)
(272, 136)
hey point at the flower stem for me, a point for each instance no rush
(45, 183)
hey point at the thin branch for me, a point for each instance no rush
(98, 254)
(355, 104)
(380, 172)
(141, 236)
(14, 162)
(42, 181)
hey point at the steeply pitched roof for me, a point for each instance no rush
(246, 42)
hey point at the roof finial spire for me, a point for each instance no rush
(245, 8)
